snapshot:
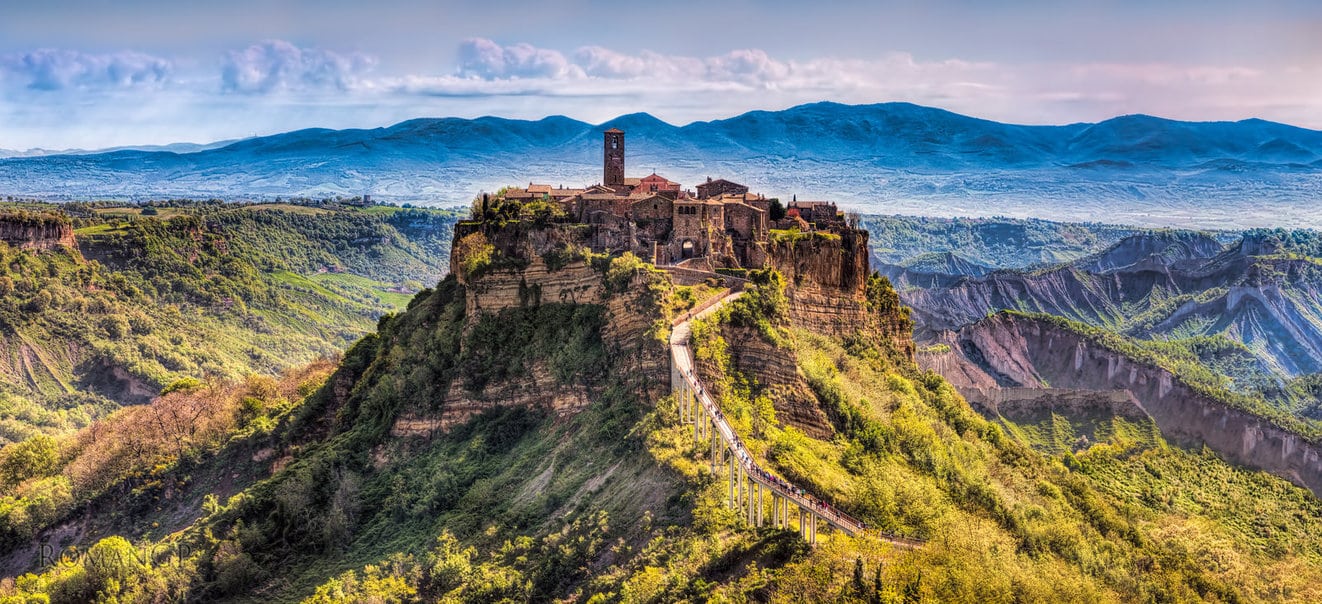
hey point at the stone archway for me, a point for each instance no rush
(686, 249)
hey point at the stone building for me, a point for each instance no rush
(718, 187)
(722, 225)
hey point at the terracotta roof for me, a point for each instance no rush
(632, 182)
(614, 131)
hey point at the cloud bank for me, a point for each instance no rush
(277, 65)
(51, 69)
(85, 99)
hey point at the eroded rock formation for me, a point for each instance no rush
(35, 231)
(1013, 351)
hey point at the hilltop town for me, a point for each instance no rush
(721, 224)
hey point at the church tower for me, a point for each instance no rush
(613, 158)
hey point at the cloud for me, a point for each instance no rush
(277, 65)
(600, 68)
(484, 59)
(51, 69)
(114, 98)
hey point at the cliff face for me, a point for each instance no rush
(638, 360)
(777, 371)
(827, 277)
(827, 285)
(1008, 351)
(34, 231)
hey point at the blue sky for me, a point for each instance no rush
(99, 73)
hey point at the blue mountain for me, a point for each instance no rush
(893, 156)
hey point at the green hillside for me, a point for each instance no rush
(610, 504)
(200, 291)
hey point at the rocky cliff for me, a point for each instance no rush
(36, 230)
(520, 277)
(827, 276)
(524, 265)
(1014, 351)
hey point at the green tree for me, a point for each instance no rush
(111, 564)
(32, 458)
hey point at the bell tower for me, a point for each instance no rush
(613, 158)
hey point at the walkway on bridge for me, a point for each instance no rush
(749, 484)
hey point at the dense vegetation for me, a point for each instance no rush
(1003, 522)
(356, 494)
(200, 291)
(611, 505)
(318, 487)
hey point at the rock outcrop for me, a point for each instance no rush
(827, 276)
(36, 231)
(524, 279)
(526, 265)
(778, 373)
(1013, 351)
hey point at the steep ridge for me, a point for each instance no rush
(1017, 352)
(1154, 285)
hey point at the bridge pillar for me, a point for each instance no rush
(812, 528)
(684, 401)
(743, 493)
(732, 480)
(752, 489)
(760, 505)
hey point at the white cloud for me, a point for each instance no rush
(277, 65)
(50, 69)
(484, 59)
(116, 98)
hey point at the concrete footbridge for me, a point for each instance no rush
(760, 496)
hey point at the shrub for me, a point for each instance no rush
(33, 458)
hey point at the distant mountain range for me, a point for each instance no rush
(885, 158)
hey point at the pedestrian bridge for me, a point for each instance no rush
(760, 496)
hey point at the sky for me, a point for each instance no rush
(93, 74)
